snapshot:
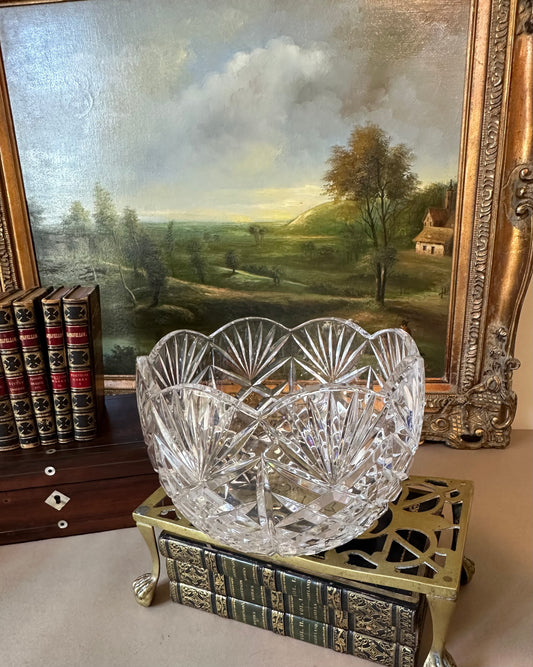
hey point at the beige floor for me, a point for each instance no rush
(67, 602)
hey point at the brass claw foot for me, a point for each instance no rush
(441, 612)
(439, 660)
(144, 588)
(467, 571)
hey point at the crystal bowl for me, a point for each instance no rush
(276, 440)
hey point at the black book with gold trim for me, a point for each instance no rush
(390, 654)
(375, 610)
(183, 571)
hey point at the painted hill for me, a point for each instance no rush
(326, 219)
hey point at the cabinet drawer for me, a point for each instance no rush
(92, 506)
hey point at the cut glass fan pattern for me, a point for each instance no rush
(275, 440)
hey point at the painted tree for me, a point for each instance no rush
(77, 220)
(139, 251)
(277, 275)
(170, 245)
(255, 231)
(105, 214)
(41, 233)
(308, 249)
(36, 214)
(79, 234)
(354, 241)
(153, 267)
(232, 261)
(130, 239)
(120, 360)
(379, 176)
(197, 259)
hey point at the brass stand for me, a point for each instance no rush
(428, 521)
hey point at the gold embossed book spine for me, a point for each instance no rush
(52, 306)
(81, 312)
(8, 428)
(183, 571)
(28, 317)
(380, 609)
(375, 649)
(15, 376)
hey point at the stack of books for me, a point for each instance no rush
(51, 375)
(370, 622)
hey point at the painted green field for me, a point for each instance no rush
(289, 272)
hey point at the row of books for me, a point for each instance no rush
(51, 376)
(370, 622)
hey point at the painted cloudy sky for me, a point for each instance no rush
(225, 109)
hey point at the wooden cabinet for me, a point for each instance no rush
(104, 481)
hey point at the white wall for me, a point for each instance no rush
(523, 377)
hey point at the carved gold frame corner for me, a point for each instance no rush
(474, 405)
(494, 257)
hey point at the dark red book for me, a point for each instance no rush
(56, 347)
(8, 428)
(28, 316)
(15, 375)
(83, 334)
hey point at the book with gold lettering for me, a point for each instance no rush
(83, 334)
(394, 614)
(8, 428)
(15, 375)
(52, 307)
(300, 603)
(28, 317)
(390, 654)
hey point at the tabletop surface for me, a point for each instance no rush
(68, 602)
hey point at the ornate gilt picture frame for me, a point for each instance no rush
(473, 405)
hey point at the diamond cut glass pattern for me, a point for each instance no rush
(276, 440)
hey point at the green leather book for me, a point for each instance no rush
(390, 654)
(375, 608)
(183, 572)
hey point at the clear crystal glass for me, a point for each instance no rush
(276, 440)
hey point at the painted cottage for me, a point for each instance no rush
(436, 237)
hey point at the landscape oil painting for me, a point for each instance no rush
(216, 159)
